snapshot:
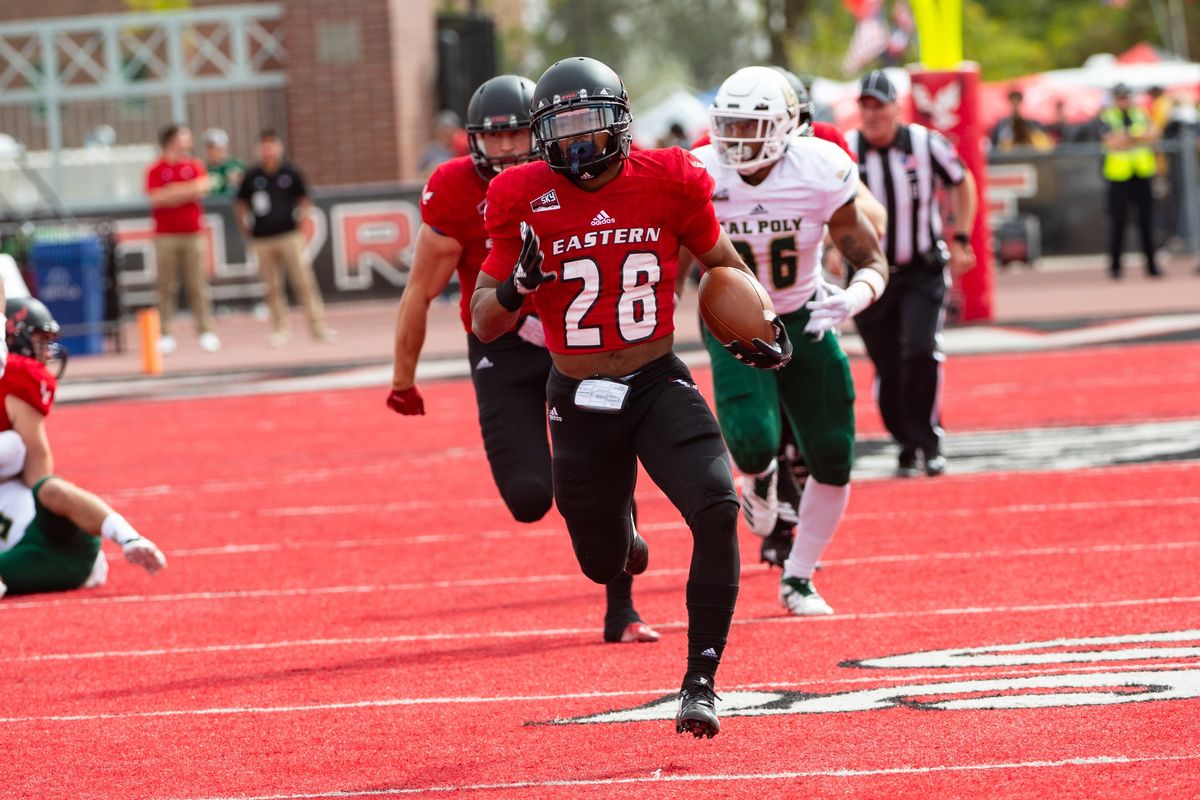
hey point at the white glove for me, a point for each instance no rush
(145, 554)
(836, 306)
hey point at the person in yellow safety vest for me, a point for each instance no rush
(1129, 167)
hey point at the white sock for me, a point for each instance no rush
(821, 509)
(12, 454)
(118, 529)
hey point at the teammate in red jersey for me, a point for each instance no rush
(27, 386)
(608, 226)
(509, 374)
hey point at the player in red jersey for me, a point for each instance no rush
(509, 374)
(608, 226)
(51, 538)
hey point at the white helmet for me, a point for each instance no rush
(754, 106)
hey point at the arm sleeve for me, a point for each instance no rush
(700, 229)
(945, 159)
(502, 223)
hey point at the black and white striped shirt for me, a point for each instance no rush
(902, 177)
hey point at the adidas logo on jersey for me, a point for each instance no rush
(759, 208)
(554, 417)
(602, 219)
(710, 653)
(484, 363)
(723, 194)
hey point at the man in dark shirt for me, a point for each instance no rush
(273, 196)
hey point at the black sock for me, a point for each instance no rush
(620, 611)
(710, 612)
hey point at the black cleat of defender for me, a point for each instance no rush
(698, 709)
(778, 546)
(639, 556)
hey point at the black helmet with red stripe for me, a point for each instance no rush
(581, 117)
(32, 331)
(499, 104)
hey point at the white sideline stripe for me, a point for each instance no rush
(511, 533)
(395, 702)
(525, 634)
(1082, 761)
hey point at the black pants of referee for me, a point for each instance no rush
(667, 425)
(1121, 194)
(901, 332)
(509, 375)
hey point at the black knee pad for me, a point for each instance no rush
(527, 499)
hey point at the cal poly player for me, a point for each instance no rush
(592, 232)
(50, 536)
(510, 372)
(775, 193)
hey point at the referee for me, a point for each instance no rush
(903, 165)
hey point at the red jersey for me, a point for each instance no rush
(183, 218)
(28, 379)
(616, 250)
(452, 204)
(822, 130)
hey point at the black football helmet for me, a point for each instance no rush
(804, 113)
(499, 104)
(32, 331)
(575, 99)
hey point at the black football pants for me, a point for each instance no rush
(901, 332)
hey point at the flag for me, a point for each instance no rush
(869, 42)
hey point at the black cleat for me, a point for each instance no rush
(698, 709)
(778, 546)
(639, 556)
(906, 465)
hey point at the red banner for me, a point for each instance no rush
(948, 102)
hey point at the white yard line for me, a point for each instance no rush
(1081, 761)
(782, 619)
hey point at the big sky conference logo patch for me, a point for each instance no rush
(1049, 674)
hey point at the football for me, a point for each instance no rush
(734, 306)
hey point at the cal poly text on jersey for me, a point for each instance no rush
(749, 227)
(604, 237)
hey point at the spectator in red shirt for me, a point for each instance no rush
(176, 184)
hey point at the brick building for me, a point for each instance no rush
(360, 91)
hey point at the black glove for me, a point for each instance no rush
(763, 355)
(527, 275)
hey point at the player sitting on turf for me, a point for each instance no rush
(775, 192)
(48, 526)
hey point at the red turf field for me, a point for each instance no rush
(349, 612)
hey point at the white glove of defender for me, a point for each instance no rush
(145, 554)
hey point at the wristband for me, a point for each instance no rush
(962, 238)
(872, 280)
(508, 297)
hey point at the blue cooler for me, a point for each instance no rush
(70, 281)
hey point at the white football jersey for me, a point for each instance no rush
(778, 225)
(16, 512)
